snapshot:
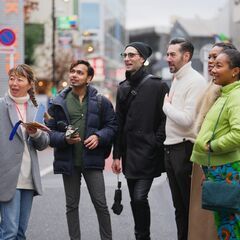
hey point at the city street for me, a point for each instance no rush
(84, 50)
(48, 220)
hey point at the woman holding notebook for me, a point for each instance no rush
(19, 169)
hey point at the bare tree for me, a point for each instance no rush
(63, 59)
(29, 6)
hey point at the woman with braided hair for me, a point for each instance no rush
(19, 168)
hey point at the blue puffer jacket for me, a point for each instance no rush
(104, 125)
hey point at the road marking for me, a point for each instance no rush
(46, 171)
(49, 169)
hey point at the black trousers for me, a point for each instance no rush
(138, 190)
(96, 188)
(179, 170)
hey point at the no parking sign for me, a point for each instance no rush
(7, 37)
(11, 39)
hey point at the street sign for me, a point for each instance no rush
(7, 50)
(11, 39)
(7, 37)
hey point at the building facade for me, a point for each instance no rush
(88, 29)
(11, 39)
(103, 36)
(235, 22)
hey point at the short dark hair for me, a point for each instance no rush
(84, 62)
(224, 45)
(233, 56)
(185, 45)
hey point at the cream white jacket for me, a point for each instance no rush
(186, 87)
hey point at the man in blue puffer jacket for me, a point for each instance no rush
(84, 152)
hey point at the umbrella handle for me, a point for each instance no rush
(119, 182)
(119, 185)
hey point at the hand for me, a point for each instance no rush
(30, 130)
(208, 147)
(168, 98)
(116, 166)
(203, 179)
(91, 142)
(74, 139)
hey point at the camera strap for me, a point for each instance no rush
(134, 91)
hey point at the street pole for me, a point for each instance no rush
(53, 43)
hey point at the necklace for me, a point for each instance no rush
(20, 116)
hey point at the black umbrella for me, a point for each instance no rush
(117, 207)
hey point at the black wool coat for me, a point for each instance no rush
(141, 122)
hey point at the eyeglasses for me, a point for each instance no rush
(129, 55)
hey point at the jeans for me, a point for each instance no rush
(15, 215)
(138, 190)
(96, 188)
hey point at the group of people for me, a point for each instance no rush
(153, 129)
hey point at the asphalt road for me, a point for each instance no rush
(48, 221)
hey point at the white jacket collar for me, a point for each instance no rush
(182, 71)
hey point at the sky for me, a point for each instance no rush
(145, 13)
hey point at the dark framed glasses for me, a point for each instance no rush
(129, 55)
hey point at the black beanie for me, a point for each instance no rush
(143, 48)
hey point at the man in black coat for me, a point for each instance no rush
(141, 133)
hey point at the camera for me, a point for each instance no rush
(71, 131)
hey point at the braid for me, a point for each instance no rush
(31, 93)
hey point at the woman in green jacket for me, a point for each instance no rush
(225, 147)
(197, 215)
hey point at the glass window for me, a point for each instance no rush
(89, 16)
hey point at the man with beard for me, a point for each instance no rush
(141, 132)
(179, 107)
